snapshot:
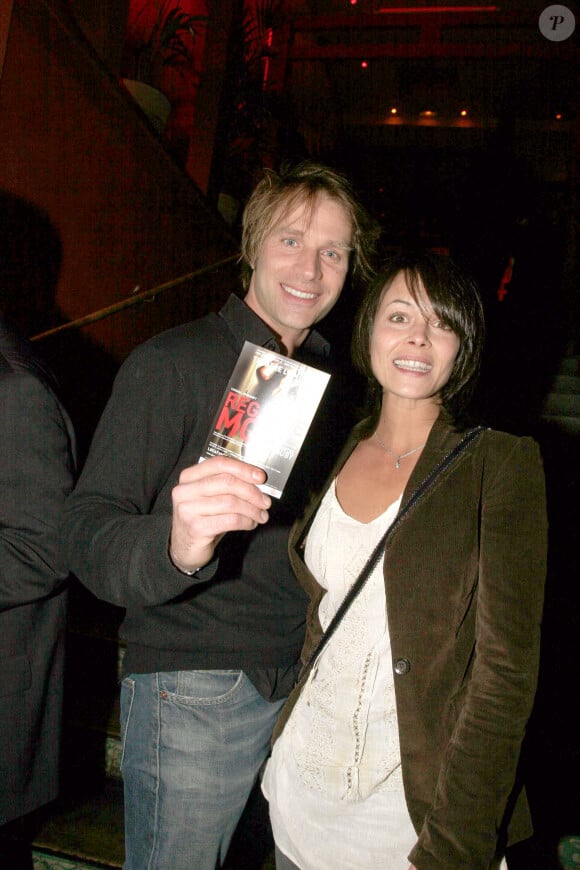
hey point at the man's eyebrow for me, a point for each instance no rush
(294, 231)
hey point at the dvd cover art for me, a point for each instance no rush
(265, 413)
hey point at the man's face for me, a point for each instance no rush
(301, 269)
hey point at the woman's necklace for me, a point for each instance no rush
(397, 457)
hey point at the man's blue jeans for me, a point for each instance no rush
(193, 744)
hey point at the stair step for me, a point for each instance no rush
(570, 365)
(570, 425)
(566, 383)
(83, 831)
(44, 861)
(113, 751)
(562, 404)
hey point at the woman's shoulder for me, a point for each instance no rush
(500, 441)
(510, 455)
(495, 448)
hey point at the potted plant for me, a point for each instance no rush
(161, 37)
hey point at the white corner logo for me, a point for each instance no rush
(557, 23)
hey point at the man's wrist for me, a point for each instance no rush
(189, 572)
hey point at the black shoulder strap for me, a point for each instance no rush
(380, 548)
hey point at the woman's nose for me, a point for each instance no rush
(420, 332)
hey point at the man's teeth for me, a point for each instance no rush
(300, 294)
(413, 365)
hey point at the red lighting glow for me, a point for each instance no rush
(364, 64)
(559, 116)
(434, 10)
(269, 41)
(463, 113)
(394, 111)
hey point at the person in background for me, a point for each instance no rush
(399, 747)
(196, 553)
(36, 476)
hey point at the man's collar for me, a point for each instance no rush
(247, 326)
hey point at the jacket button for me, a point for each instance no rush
(402, 666)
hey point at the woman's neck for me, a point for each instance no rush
(403, 428)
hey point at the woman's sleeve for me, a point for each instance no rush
(480, 764)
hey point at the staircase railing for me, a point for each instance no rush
(134, 299)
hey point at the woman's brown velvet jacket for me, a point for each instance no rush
(464, 578)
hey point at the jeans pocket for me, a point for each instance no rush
(127, 698)
(194, 688)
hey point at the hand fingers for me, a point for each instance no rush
(219, 492)
(200, 520)
(217, 511)
(222, 465)
(221, 488)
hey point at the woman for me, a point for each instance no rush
(401, 742)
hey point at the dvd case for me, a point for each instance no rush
(265, 413)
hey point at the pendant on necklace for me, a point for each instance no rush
(397, 457)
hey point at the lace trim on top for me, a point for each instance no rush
(343, 732)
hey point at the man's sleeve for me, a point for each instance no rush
(36, 475)
(112, 539)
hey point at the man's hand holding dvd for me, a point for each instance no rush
(213, 498)
(257, 433)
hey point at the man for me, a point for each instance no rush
(196, 552)
(36, 476)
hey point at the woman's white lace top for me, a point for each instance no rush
(343, 732)
(334, 779)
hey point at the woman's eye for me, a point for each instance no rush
(397, 318)
(440, 324)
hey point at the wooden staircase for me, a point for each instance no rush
(562, 404)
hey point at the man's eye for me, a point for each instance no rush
(332, 255)
(289, 243)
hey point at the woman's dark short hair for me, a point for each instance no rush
(455, 299)
(278, 193)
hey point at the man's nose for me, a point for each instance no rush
(309, 264)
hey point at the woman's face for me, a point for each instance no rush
(412, 351)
